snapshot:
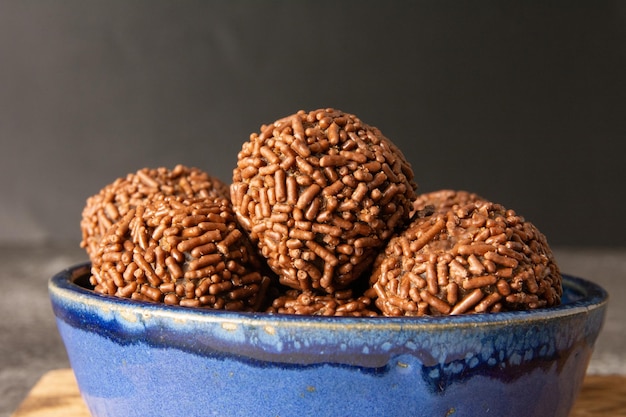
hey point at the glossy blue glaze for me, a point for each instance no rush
(141, 359)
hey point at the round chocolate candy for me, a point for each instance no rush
(443, 200)
(116, 199)
(320, 193)
(473, 258)
(180, 251)
(307, 303)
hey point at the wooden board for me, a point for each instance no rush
(56, 395)
(601, 396)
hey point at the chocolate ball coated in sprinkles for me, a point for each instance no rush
(443, 200)
(116, 199)
(179, 251)
(473, 258)
(320, 193)
(339, 304)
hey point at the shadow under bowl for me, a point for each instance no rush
(142, 359)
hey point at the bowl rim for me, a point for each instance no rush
(64, 291)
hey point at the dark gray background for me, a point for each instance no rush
(523, 102)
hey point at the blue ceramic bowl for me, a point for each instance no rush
(139, 359)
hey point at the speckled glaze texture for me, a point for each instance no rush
(138, 359)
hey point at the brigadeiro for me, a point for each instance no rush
(180, 251)
(320, 193)
(474, 258)
(116, 199)
(341, 303)
(443, 200)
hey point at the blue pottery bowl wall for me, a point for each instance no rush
(139, 359)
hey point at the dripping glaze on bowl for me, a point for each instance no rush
(134, 358)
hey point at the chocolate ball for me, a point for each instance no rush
(441, 201)
(338, 304)
(180, 251)
(320, 193)
(116, 199)
(473, 258)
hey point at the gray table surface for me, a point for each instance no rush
(30, 344)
